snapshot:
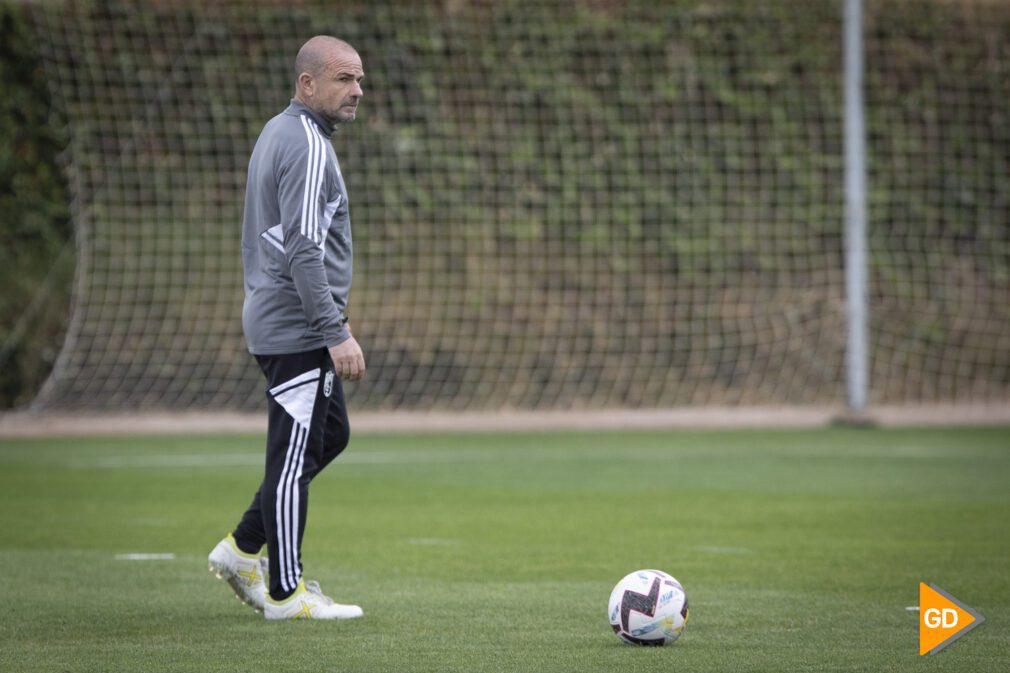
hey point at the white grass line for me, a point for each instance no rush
(432, 542)
(722, 550)
(169, 461)
(156, 521)
(172, 460)
(145, 557)
(407, 457)
(474, 454)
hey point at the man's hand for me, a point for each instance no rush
(348, 360)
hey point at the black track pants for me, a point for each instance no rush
(307, 430)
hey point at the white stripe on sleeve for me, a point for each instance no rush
(308, 180)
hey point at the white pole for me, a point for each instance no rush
(855, 209)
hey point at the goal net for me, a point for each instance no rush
(555, 205)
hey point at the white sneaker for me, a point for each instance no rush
(309, 602)
(243, 572)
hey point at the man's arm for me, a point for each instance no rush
(301, 201)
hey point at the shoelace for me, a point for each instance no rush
(313, 587)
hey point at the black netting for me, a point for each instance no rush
(555, 204)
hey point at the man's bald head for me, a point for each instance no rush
(328, 74)
(316, 54)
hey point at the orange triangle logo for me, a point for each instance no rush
(942, 619)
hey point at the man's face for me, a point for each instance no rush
(336, 90)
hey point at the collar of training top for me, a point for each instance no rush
(297, 107)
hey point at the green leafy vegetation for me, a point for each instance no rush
(36, 238)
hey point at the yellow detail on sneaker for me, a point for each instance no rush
(252, 576)
(299, 590)
(309, 602)
(243, 572)
(234, 545)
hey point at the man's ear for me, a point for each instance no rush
(306, 84)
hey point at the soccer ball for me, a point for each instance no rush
(648, 607)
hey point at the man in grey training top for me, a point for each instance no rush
(297, 258)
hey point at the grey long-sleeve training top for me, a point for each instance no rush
(296, 238)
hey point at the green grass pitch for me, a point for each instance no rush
(799, 551)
